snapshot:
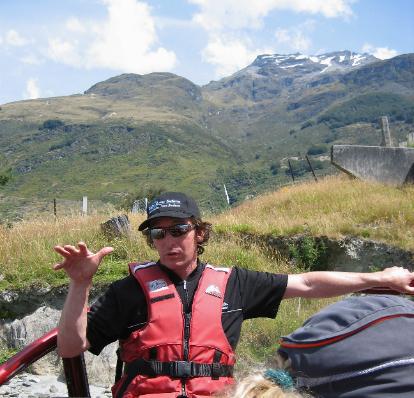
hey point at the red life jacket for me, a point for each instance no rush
(177, 354)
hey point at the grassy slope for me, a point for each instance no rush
(335, 206)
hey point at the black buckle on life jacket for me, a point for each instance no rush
(181, 369)
(216, 370)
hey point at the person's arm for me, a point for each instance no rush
(330, 284)
(80, 265)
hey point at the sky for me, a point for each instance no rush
(52, 48)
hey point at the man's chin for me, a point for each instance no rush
(173, 261)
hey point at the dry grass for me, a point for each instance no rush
(335, 206)
(332, 207)
(76, 108)
(26, 250)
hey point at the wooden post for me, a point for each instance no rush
(309, 163)
(54, 207)
(291, 171)
(386, 135)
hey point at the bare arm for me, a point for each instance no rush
(330, 284)
(80, 265)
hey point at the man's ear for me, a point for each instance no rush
(199, 236)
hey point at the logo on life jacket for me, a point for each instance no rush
(213, 290)
(157, 285)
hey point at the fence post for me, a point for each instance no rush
(54, 207)
(227, 195)
(85, 205)
(291, 171)
(309, 163)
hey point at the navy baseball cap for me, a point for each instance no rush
(170, 204)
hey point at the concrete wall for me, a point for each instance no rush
(389, 165)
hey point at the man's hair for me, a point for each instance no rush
(201, 226)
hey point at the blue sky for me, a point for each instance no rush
(52, 48)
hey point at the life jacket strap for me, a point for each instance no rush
(177, 369)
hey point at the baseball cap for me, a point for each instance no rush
(171, 204)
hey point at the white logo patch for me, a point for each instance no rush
(161, 204)
(157, 285)
(213, 290)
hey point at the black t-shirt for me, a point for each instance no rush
(123, 309)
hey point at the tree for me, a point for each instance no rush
(5, 177)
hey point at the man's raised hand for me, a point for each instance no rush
(80, 264)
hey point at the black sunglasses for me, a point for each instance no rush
(175, 231)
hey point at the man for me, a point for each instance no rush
(178, 320)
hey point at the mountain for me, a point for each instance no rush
(133, 133)
(280, 98)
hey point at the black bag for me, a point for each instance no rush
(360, 347)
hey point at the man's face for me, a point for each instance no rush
(176, 253)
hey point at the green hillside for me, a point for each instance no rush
(134, 133)
(369, 108)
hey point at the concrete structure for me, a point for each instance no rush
(386, 134)
(393, 165)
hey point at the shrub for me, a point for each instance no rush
(317, 149)
(308, 253)
(52, 124)
(274, 168)
(4, 179)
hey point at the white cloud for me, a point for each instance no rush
(73, 24)
(294, 38)
(237, 14)
(379, 52)
(230, 54)
(32, 89)
(220, 18)
(13, 38)
(64, 51)
(126, 41)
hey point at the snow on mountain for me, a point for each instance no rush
(323, 62)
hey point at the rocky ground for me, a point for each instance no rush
(26, 385)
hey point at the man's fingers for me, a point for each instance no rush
(104, 251)
(58, 266)
(71, 249)
(60, 250)
(83, 249)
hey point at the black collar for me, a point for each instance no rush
(195, 274)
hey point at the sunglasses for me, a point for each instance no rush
(175, 231)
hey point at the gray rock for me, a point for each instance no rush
(8, 297)
(20, 332)
(53, 388)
